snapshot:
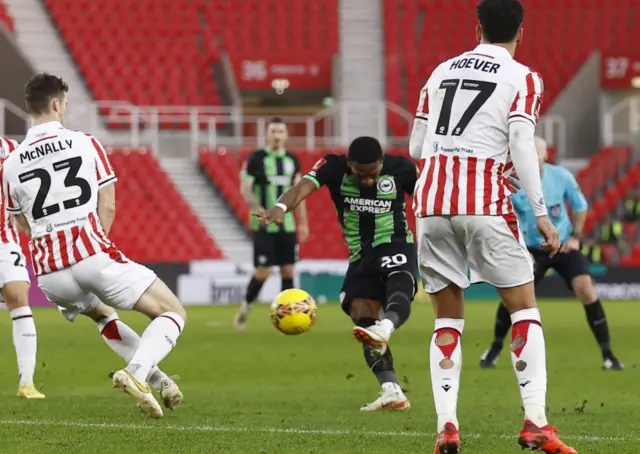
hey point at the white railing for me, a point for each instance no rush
(192, 127)
(8, 106)
(621, 123)
(553, 129)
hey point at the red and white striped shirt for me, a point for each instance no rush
(53, 179)
(8, 230)
(468, 104)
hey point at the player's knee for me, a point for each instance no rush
(584, 289)
(262, 273)
(287, 271)
(16, 294)
(365, 309)
(159, 299)
(100, 312)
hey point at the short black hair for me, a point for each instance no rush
(365, 150)
(500, 19)
(276, 121)
(40, 90)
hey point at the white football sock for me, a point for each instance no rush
(446, 367)
(125, 341)
(156, 342)
(25, 342)
(529, 362)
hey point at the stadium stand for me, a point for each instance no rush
(5, 17)
(580, 25)
(162, 52)
(153, 205)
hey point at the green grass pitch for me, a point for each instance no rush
(265, 393)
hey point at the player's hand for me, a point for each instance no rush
(550, 235)
(572, 244)
(274, 215)
(303, 232)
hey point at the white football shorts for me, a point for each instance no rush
(464, 250)
(13, 265)
(81, 287)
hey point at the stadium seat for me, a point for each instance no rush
(163, 52)
(154, 223)
(420, 34)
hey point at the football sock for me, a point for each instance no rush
(253, 289)
(287, 283)
(125, 341)
(529, 362)
(380, 365)
(155, 343)
(503, 323)
(400, 290)
(598, 322)
(445, 359)
(25, 342)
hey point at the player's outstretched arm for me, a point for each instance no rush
(288, 201)
(107, 206)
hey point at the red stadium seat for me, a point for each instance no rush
(163, 52)
(154, 223)
(420, 34)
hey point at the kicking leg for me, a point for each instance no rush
(25, 340)
(365, 313)
(585, 291)
(400, 289)
(528, 356)
(253, 291)
(445, 360)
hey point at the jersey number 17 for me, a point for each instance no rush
(450, 86)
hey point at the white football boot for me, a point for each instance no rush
(170, 393)
(390, 398)
(240, 321)
(377, 336)
(145, 401)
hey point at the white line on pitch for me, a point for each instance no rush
(280, 430)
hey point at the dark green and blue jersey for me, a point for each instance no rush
(370, 216)
(272, 173)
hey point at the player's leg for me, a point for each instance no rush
(15, 283)
(263, 258)
(123, 284)
(396, 265)
(360, 299)
(286, 256)
(542, 262)
(574, 269)
(124, 341)
(25, 341)
(443, 267)
(497, 255)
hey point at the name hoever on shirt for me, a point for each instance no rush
(45, 149)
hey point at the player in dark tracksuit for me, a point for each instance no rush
(368, 190)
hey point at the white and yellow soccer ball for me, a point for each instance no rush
(293, 311)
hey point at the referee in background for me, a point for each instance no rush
(558, 185)
(267, 174)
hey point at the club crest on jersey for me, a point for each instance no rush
(49, 228)
(386, 185)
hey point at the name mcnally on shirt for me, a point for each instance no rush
(46, 149)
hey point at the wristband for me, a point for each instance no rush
(282, 206)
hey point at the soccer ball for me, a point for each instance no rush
(293, 311)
